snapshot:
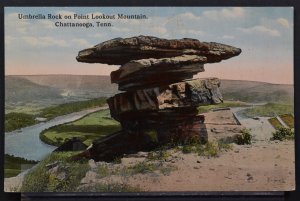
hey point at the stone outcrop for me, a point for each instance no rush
(123, 50)
(74, 144)
(187, 94)
(161, 100)
(144, 73)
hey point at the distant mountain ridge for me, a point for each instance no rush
(26, 87)
(73, 81)
(20, 89)
(253, 91)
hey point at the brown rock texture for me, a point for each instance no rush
(119, 51)
(161, 100)
(144, 73)
(191, 94)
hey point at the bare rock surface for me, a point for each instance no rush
(119, 51)
(185, 94)
(147, 73)
(221, 117)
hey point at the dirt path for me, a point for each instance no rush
(259, 167)
(262, 166)
(261, 129)
(14, 184)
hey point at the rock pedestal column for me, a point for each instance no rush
(160, 99)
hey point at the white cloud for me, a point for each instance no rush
(283, 22)
(20, 25)
(189, 16)
(191, 32)
(133, 21)
(228, 37)
(195, 32)
(228, 13)
(160, 30)
(120, 29)
(260, 29)
(81, 42)
(233, 13)
(47, 24)
(9, 40)
(94, 13)
(96, 35)
(41, 42)
(22, 30)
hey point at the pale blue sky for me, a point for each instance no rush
(264, 34)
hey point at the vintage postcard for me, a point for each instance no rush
(147, 99)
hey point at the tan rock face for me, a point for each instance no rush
(122, 50)
(148, 73)
(191, 93)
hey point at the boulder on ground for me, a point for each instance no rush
(74, 144)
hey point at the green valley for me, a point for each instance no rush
(88, 128)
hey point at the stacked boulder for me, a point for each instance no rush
(160, 99)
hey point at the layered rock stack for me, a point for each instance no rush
(160, 99)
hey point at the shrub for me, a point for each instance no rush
(267, 110)
(186, 149)
(284, 133)
(67, 108)
(103, 171)
(160, 154)
(244, 138)
(41, 180)
(117, 160)
(14, 121)
(152, 135)
(209, 149)
(143, 168)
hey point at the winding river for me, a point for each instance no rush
(26, 143)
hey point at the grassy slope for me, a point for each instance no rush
(40, 180)
(77, 82)
(14, 164)
(267, 110)
(207, 108)
(288, 119)
(67, 108)
(22, 90)
(14, 121)
(250, 91)
(30, 94)
(275, 123)
(88, 128)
